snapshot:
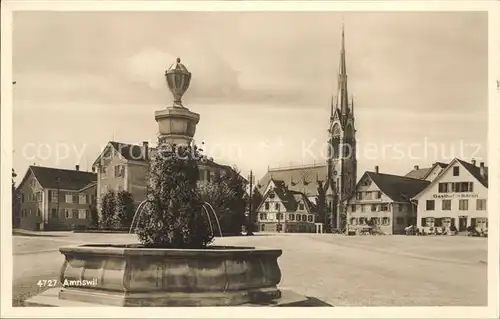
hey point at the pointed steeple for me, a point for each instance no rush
(342, 94)
(331, 109)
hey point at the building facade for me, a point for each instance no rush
(382, 202)
(286, 211)
(456, 198)
(56, 199)
(122, 166)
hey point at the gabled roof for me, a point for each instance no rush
(56, 178)
(475, 171)
(397, 188)
(419, 173)
(422, 173)
(300, 178)
(289, 198)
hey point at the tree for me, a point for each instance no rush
(16, 201)
(227, 195)
(108, 210)
(124, 208)
(172, 216)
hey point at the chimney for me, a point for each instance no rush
(481, 169)
(376, 169)
(145, 150)
(473, 162)
(415, 167)
(77, 167)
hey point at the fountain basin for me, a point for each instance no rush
(131, 275)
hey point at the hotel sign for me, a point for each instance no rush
(456, 195)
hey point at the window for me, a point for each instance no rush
(75, 199)
(482, 223)
(291, 216)
(456, 171)
(279, 216)
(462, 187)
(310, 218)
(38, 196)
(384, 207)
(75, 213)
(263, 216)
(271, 195)
(68, 213)
(378, 195)
(443, 188)
(304, 218)
(53, 196)
(481, 204)
(463, 204)
(446, 204)
(266, 205)
(301, 206)
(400, 208)
(82, 214)
(54, 213)
(119, 171)
(374, 208)
(353, 221)
(82, 199)
(276, 206)
(400, 220)
(297, 217)
(22, 197)
(429, 205)
(386, 221)
(359, 195)
(69, 198)
(353, 208)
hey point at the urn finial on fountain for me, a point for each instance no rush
(178, 78)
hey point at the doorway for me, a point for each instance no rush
(462, 223)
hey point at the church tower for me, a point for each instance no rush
(341, 162)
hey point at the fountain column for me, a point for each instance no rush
(176, 123)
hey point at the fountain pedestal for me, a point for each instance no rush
(177, 125)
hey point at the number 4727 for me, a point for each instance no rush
(46, 283)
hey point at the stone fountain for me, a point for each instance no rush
(134, 275)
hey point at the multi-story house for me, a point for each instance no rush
(123, 166)
(382, 201)
(284, 210)
(56, 199)
(456, 197)
(427, 173)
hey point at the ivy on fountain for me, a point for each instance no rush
(172, 216)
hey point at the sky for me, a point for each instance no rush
(262, 83)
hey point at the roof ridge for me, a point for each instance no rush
(61, 169)
(398, 176)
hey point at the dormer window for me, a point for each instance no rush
(301, 206)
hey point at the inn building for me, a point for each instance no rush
(56, 199)
(456, 197)
(382, 202)
(284, 210)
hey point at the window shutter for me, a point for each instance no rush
(471, 186)
(423, 223)
(50, 196)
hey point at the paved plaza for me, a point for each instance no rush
(340, 270)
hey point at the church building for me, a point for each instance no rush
(335, 179)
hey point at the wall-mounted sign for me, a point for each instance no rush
(455, 195)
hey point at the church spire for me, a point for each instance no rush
(342, 95)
